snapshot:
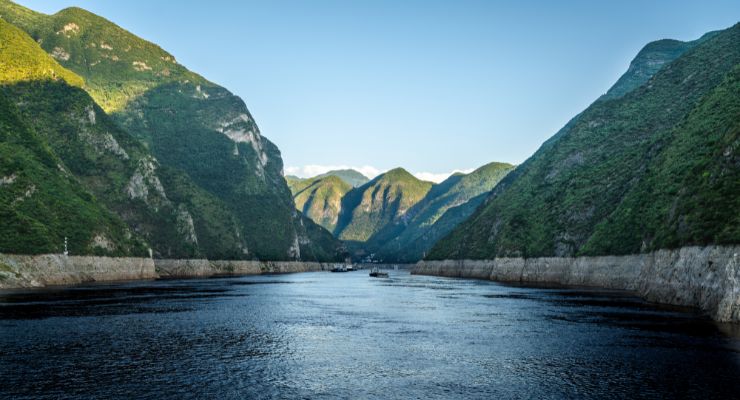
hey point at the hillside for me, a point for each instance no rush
(654, 167)
(39, 206)
(320, 198)
(394, 234)
(104, 160)
(233, 201)
(41, 203)
(354, 178)
(21, 59)
(409, 241)
(384, 200)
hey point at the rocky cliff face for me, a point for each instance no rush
(707, 278)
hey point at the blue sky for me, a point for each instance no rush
(433, 86)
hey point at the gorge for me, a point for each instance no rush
(154, 243)
(108, 124)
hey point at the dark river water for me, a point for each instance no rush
(324, 335)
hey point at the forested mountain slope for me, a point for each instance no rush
(654, 167)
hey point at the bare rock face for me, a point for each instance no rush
(145, 185)
(707, 278)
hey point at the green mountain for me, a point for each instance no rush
(203, 173)
(350, 176)
(396, 217)
(23, 60)
(41, 202)
(409, 239)
(654, 167)
(319, 198)
(384, 200)
(648, 62)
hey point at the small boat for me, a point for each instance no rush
(377, 273)
(339, 268)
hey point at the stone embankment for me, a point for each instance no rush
(385, 266)
(707, 278)
(26, 271)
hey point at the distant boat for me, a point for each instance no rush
(339, 268)
(377, 273)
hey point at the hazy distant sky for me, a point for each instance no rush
(432, 86)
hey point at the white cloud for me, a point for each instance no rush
(439, 177)
(308, 171)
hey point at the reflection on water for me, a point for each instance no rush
(321, 335)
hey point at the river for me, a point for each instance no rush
(345, 335)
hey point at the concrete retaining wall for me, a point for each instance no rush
(25, 271)
(707, 278)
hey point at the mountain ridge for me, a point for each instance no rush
(552, 204)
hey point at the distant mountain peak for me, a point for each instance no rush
(351, 176)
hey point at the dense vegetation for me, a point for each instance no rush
(319, 198)
(117, 65)
(41, 204)
(395, 217)
(654, 167)
(181, 160)
(21, 59)
(691, 193)
(382, 201)
(425, 224)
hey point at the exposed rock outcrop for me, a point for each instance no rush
(707, 278)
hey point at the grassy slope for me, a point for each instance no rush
(100, 51)
(21, 59)
(553, 203)
(41, 202)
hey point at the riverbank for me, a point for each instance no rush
(28, 271)
(707, 278)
